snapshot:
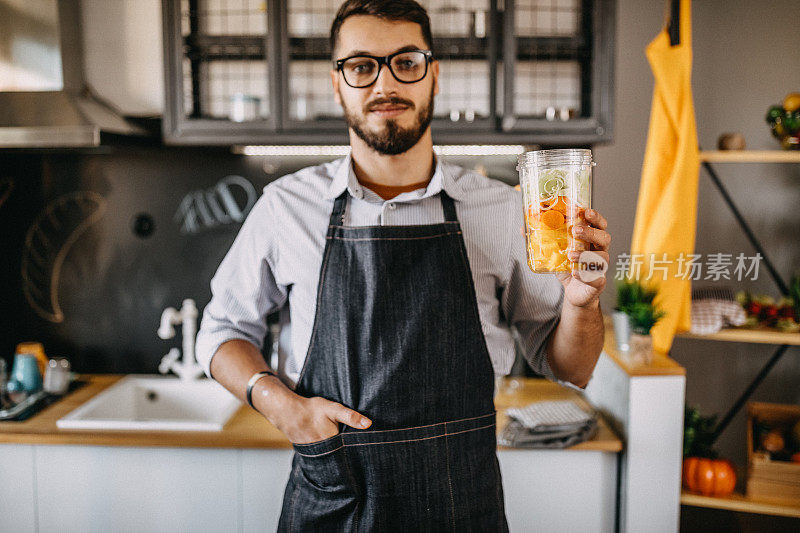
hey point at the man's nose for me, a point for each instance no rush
(386, 83)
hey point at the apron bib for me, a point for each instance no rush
(397, 337)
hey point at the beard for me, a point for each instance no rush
(392, 139)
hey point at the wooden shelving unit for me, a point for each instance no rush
(759, 336)
(750, 156)
(737, 501)
(741, 503)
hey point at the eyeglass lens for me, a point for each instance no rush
(362, 71)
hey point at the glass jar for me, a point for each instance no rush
(557, 190)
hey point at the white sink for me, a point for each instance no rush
(155, 403)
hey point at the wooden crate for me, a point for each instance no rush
(768, 480)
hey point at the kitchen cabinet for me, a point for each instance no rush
(97, 488)
(645, 404)
(17, 493)
(74, 480)
(113, 488)
(513, 71)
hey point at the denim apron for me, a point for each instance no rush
(397, 337)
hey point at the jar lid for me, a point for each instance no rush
(560, 156)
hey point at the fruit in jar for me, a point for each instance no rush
(556, 202)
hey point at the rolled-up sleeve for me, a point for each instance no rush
(531, 302)
(243, 290)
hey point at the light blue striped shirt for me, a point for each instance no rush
(274, 262)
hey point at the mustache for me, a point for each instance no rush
(393, 100)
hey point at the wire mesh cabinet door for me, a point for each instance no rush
(220, 84)
(558, 70)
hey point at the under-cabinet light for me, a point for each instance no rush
(291, 150)
(320, 150)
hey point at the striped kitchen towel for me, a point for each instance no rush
(714, 308)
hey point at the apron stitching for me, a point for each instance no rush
(450, 481)
(427, 425)
(319, 454)
(317, 442)
(395, 238)
(420, 439)
(393, 226)
(397, 441)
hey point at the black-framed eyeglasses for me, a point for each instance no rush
(407, 66)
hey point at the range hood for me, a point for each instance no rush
(73, 117)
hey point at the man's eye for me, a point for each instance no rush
(361, 68)
(406, 64)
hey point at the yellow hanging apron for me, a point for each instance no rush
(666, 212)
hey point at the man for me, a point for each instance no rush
(398, 278)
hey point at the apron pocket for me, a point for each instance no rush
(324, 466)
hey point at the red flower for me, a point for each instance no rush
(753, 308)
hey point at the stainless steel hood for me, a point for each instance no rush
(69, 118)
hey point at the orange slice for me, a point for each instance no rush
(561, 204)
(553, 219)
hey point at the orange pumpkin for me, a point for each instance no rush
(709, 477)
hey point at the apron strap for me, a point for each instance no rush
(448, 207)
(337, 215)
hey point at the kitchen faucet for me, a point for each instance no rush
(187, 369)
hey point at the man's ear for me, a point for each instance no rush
(335, 84)
(435, 70)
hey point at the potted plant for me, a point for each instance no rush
(643, 318)
(629, 293)
(703, 472)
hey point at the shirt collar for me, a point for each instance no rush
(345, 178)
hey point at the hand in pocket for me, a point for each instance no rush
(315, 419)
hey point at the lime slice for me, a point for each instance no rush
(552, 183)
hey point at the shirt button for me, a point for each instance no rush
(392, 206)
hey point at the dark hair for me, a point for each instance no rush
(407, 10)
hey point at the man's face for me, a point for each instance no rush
(389, 116)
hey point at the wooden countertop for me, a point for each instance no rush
(662, 365)
(248, 429)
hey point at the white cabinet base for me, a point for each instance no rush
(99, 488)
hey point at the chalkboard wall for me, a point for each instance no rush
(96, 245)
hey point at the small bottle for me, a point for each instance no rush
(37, 349)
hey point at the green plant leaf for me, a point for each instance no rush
(698, 432)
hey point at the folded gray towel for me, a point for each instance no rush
(558, 415)
(518, 436)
